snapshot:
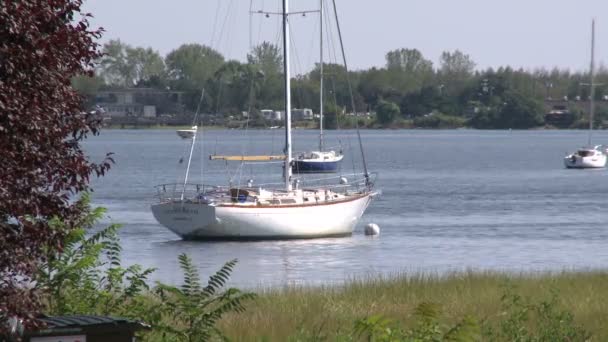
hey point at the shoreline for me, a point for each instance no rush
(178, 127)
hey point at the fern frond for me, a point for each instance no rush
(192, 281)
(219, 279)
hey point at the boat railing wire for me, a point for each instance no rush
(204, 193)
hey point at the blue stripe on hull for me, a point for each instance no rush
(300, 166)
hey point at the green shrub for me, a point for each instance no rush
(523, 320)
(438, 120)
(426, 328)
(87, 277)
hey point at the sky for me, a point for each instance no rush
(519, 33)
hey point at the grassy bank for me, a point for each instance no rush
(329, 312)
(88, 278)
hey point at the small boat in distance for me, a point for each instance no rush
(317, 162)
(187, 133)
(590, 157)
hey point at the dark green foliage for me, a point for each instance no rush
(387, 112)
(190, 312)
(506, 97)
(524, 320)
(508, 110)
(519, 319)
(331, 117)
(438, 120)
(427, 327)
(87, 278)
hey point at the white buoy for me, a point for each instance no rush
(372, 229)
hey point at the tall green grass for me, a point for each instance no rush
(329, 312)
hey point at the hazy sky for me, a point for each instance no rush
(520, 33)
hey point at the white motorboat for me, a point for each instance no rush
(290, 210)
(586, 158)
(187, 133)
(589, 157)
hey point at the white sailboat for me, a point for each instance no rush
(589, 156)
(319, 161)
(289, 211)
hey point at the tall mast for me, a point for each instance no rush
(286, 75)
(321, 76)
(189, 162)
(352, 98)
(591, 82)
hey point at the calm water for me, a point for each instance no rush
(451, 200)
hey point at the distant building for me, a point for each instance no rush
(270, 114)
(302, 114)
(138, 102)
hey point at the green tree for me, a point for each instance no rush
(408, 60)
(87, 86)
(146, 63)
(387, 112)
(266, 57)
(455, 68)
(520, 111)
(126, 66)
(406, 70)
(331, 116)
(234, 87)
(113, 66)
(191, 65)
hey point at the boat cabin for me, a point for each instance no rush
(320, 156)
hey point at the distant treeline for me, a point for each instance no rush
(409, 91)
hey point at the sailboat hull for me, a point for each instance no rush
(322, 162)
(304, 166)
(198, 221)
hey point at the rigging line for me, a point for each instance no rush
(233, 20)
(350, 146)
(217, 47)
(350, 90)
(229, 14)
(333, 59)
(217, 13)
(196, 122)
(250, 24)
(202, 124)
(251, 101)
(310, 50)
(330, 38)
(279, 30)
(297, 67)
(260, 25)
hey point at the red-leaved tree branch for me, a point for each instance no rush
(43, 44)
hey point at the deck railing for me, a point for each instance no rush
(192, 192)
